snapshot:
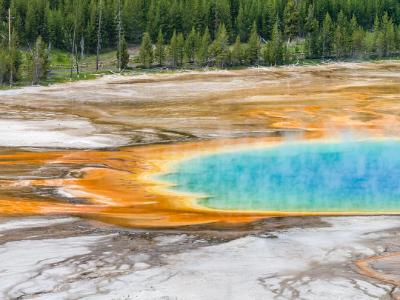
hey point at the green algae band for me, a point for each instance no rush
(303, 177)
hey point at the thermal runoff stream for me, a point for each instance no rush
(297, 177)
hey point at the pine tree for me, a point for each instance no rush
(202, 53)
(2, 9)
(291, 20)
(153, 18)
(124, 54)
(221, 15)
(388, 37)
(3, 66)
(247, 15)
(356, 36)
(174, 20)
(277, 45)
(358, 41)
(146, 51)
(173, 50)
(14, 60)
(35, 22)
(191, 45)
(309, 20)
(40, 61)
(237, 52)
(98, 19)
(220, 47)
(342, 36)
(339, 42)
(187, 16)
(56, 30)
(199, 15)
(312, 43)
(159, 53)
(134, 19)
(241, 23)
(254, 46)
(266, 54)
(303, 9)
(327, 36)
(274, 51)
(376, 47)
(180, 49)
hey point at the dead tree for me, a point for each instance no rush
(9, 47)
(119, 29)
(99, 35)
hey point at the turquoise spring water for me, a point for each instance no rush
(304, 177)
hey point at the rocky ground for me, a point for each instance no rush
(306, 258)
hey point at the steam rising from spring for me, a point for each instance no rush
(346, 176)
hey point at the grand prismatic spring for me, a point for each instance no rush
(339, 177)
(139, 186)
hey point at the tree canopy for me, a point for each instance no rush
(54, 20)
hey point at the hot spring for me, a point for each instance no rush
(296, 177)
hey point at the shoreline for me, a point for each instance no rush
(143, 73)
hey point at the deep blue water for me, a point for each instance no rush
(305, 177)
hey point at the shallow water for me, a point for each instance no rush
(297, 177)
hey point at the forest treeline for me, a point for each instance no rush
(196, 32)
